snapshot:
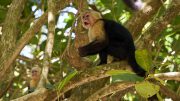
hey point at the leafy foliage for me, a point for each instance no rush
(147, 89)
(143, 59)
(123, 75)
(66, 80)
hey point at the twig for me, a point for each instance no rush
(69, 37)
(169, 76)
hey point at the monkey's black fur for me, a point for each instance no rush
(118, 43)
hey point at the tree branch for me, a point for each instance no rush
(156, 29)
(137, 22)
(169, 76)
(38, 95)
(91, 74)
(20, 57)
(8, 39)
(27, 36)
(49, 43)
(120, 87)
(169, 93)
(81, 38)
(110, 89)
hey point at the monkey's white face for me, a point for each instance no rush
(87, 20)
(35, 74)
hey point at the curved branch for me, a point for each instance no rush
(38, 95)
(113, 88)
(119, 87)
(91, 74)
(165, 90)
(169, 93)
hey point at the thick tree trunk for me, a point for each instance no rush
(8, 39)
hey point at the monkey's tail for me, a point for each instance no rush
(136, 68)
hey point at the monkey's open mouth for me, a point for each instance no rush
(86, 23)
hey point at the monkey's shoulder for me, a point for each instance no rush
(115, 29)
(98, 24)
(97, 31)
(111, 24)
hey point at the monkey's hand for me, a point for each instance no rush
(30, 90)
(82, 51)
(92, 48)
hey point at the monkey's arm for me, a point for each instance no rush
(31, 86)
(98, 40)
(92, 48)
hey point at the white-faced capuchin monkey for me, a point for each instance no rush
(108, 37)
(35, 77)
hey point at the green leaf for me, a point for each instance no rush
(126, 77)
(3, 15)
(147, 89)
(123, 75)
(143, 59)
(107, 3)
(159, 97)
(34, 40)
(176, 20)
(66, 80)
(5, 2)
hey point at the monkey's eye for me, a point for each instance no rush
(34, 71)
(87, 16)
